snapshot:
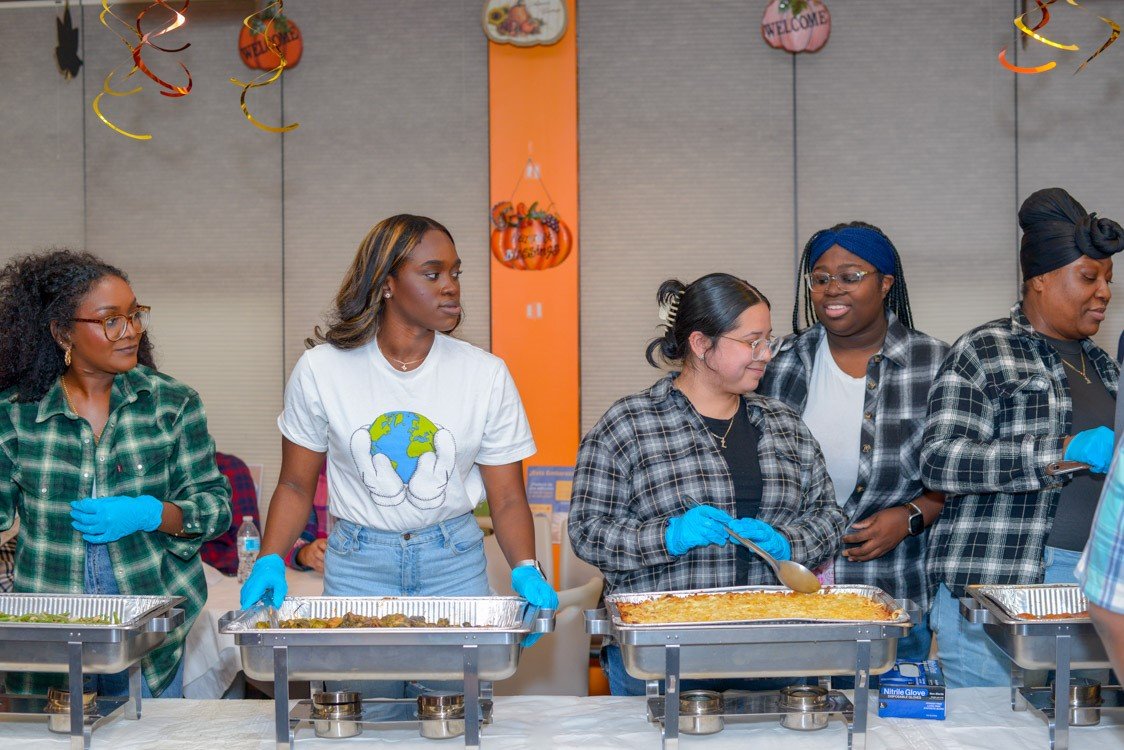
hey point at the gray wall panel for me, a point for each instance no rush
(686, 168)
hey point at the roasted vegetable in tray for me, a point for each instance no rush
(352, 620)
(62, 619)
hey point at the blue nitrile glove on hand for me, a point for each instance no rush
(529, 584)
(106, 519)
(1093, 447)
(765, 536)
(267, 575)
(700, 526)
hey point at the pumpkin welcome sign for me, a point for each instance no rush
(275, 26)
(796, 25)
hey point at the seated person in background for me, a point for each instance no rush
(1101, 569)
(1013, 396)
(701, 432)
(222, 551)
(308, 551)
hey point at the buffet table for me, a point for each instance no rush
(979, 719)
(211, 660)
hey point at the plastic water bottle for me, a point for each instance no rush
(249, 545)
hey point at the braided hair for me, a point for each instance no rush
(897, 299)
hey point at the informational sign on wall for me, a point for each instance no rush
(548, 493)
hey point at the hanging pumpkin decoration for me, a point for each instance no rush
(796, 25)
(529, 239)
(285, 35)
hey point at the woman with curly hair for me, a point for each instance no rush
(107, 461)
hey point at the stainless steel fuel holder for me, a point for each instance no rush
(140, 624)
(483, 646)
(762, 648)
(1060, 643)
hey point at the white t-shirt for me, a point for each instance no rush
(403, 446)
(834, 414)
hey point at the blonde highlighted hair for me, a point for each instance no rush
(355, 319)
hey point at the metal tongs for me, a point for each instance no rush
(792, 574)
(1059, 468)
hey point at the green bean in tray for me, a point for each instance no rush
(62, 619)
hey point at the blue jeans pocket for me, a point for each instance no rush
(344, 539)
(465, 538)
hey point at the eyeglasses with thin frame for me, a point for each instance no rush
(759, 349)
(848, 281)
(116, 325)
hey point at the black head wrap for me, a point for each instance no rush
(1058, 231)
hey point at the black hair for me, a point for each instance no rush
(36, 291)
(897, 299)
(710, 305)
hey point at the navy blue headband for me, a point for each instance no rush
(869, 245)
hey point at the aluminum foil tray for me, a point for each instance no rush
(1039, 600)
(756, 648)
(493, 613)
(42, 647)
(871, 592)
(497, 626)
(1031, 643)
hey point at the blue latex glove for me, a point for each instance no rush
(1093, 447)
(106, 519)
(529, 584)
(267, 576)
(700, 526)
(765, 536)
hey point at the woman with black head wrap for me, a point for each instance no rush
(1014, 396)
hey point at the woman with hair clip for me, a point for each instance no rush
(701, 433)
(107, 461)
(417, 428)
(859, 373)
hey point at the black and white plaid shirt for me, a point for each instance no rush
(998, 414)
(897, 400)
(651, 449)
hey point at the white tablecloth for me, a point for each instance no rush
(211, 660)
(979, 719)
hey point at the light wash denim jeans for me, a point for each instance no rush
(968, 657)
(100, 580)
(445, 559)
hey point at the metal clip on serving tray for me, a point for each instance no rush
(478, 654)
(78, 649)
(756, 649)
(1058, 644)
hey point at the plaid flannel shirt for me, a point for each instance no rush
(221, 552)
(1101, 568)
(651, 449)
(897, 400)
(998, 414)
(155, 443)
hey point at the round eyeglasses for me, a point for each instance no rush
(116, 325)
(760, 350)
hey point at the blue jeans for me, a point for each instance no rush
(445, 559)
(622, 683)
(968, 657)
(100, 580)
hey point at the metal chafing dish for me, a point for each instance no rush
(482, 646)
(760, 648)
(1061, 644)
(141, 623)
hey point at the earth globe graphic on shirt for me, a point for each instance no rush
(403, 437)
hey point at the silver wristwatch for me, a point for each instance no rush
(532, 563)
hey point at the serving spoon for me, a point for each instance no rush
(792, 574)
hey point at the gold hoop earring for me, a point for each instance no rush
(66, 357)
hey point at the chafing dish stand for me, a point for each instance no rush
(758, 649)
(78, 649)
(1060, 645)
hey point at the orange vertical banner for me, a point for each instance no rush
(533, 138)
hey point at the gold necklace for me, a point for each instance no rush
(66, 395)
(722, 438)
(1080, 372)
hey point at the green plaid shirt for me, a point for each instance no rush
(155, 443)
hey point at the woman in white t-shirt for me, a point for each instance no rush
(417, 427)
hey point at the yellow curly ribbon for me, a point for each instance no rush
(106, 88)
(1111, 37)
(1033, 33)
(269, 76)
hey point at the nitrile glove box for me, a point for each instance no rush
(912, 690)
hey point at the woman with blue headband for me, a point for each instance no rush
(860, 374)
